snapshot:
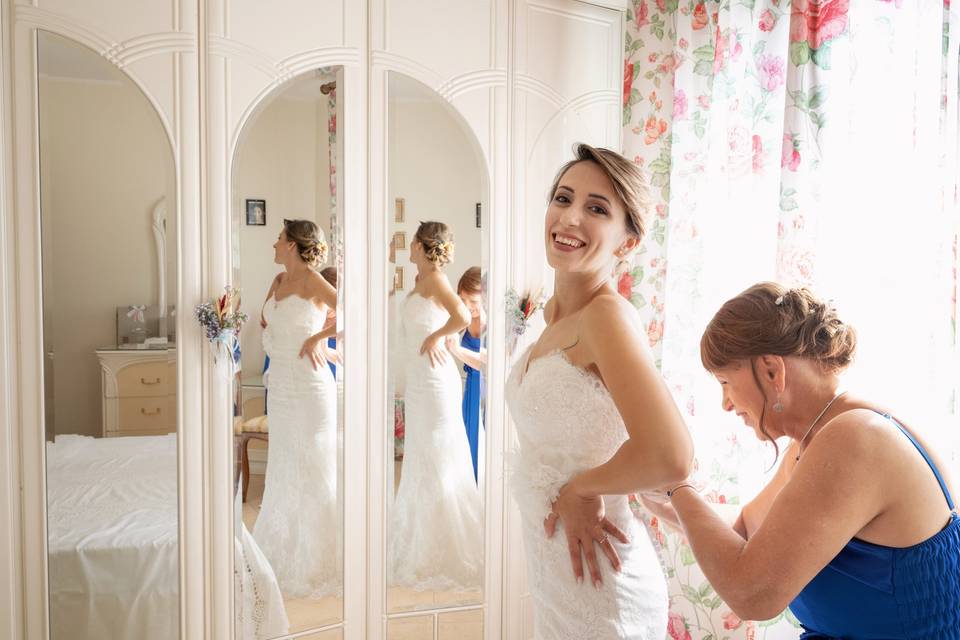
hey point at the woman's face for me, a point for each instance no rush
(282, 248)
(742, 396)
(474, 303)
(416, 251)
(586, 222)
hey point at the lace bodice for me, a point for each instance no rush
(566, 422)
(290, 321)
(420, 317)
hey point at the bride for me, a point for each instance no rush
(296, 527)
(589, 403)
(435, 540)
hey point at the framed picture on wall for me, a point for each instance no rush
(400, 240)
(398, 279)
(399, 213)
(257, 212)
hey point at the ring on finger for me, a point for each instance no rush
(603, 540)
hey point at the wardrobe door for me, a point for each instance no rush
(285, 163)
(105, 170)
(438, 142)
(567, 88)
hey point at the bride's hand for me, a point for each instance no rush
(311, 349)
(431, 347)
(584, 522)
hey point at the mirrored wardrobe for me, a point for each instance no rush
(370, 176)
(437, 263)
(109, 266)
(288, 422)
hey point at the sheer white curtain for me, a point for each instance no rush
(812, 143)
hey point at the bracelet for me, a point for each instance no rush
(670, 492)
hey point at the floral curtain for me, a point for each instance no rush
(814, 143)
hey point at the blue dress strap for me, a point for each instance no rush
(923, 452)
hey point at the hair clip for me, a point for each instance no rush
(778, 301)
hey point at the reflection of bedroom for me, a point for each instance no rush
(108, 224)
(108, 213)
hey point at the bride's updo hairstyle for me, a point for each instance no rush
(770, 319)
(627, 179)
(437, 241)
(310, 243)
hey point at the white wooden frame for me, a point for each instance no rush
(227, 59)
(176, 107)
(491, 133)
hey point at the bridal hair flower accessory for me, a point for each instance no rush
(520, 308)
(315, 255)
(221, 321)
(440, 253)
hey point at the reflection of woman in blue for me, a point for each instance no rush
(473, 355)
(329, 332)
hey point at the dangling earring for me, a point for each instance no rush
(622, 266)
(778, 406)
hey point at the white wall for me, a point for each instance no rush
(105, 162)
(283, 158)
(434, 168)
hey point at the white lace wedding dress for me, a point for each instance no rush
(566, 423)
(298, 524)
(435, 536)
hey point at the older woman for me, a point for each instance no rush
(857, 532)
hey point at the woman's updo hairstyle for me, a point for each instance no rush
(437, 241)
(310, 242)
(770, 319)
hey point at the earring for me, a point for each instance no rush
(778, 406)
(623, 265)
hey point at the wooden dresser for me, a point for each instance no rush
(139, 391)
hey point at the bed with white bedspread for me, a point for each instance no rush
(113, 553)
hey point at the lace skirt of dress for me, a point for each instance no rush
(630, 604)
(298, 527)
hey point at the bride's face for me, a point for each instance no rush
(282, 248)
(586, 222)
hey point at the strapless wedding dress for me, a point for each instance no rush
(298, 527)
(567, 422)
(435, 536)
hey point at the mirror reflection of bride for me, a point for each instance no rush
(436, 537)
(296, 524)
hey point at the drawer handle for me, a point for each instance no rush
(145, 381)
(149, 413)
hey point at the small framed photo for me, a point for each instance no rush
(257, 212)
(399, 210)
(400, 240)
(398, 279)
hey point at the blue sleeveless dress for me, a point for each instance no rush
(472, 399)
(873, 592)
(332, 343)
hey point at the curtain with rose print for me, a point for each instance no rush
(813, 143)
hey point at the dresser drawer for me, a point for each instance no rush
(145, 379)
(149, 413)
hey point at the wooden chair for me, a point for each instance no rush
(252, 426)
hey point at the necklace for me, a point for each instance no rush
(815, 421)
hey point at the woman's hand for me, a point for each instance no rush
(331, 354)
(312, 350)
(584, 522)
(431, 347)
(453, 346)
